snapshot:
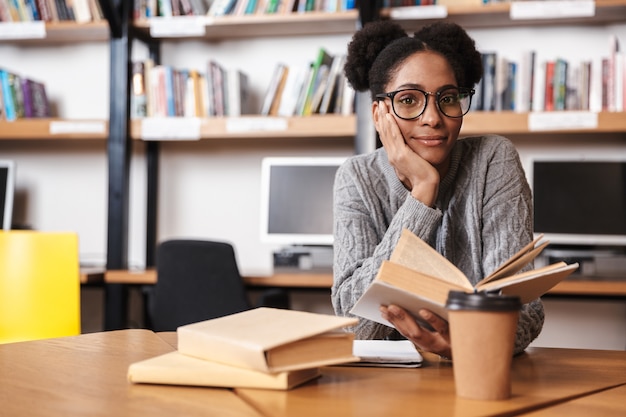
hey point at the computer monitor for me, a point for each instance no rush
(297, 200)
(7, 185)
(580, 202)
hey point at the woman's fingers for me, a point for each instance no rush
(435, 341)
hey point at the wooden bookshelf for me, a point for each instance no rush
(316, 126)
(334, 126)
(64, 32)
(293, 24)
(509, 122)
(496, 15)
(256, 126)
(53, 129)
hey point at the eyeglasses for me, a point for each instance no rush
(410, 103)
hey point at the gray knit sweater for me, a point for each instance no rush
(483, 215)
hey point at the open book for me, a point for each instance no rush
(417, 276)
(270, 340)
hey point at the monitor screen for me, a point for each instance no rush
(580, 202)
(7, 184)
(297, 200)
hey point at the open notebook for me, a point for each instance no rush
(386, 353)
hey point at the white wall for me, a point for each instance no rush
(210, 189)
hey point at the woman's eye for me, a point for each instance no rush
(407, 100)
(449, 99)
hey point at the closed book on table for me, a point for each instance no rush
(174, 368)
(270, 340)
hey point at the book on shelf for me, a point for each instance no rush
(237, 93)
(270, 340)
(165, 8)
(217, 81)
(15, 82)
(416, 276)
(148, 75)
(193, 95)
(41, 105)
(309, 75)
(8, 100)
(221, 7)
(323, 59)
(348, 96)
(320, 87)
(22, 97)
(2, 115)
(330, 92)
(157, 88)
(138, 91)
(25, 85)
(524, 95)
(288, 6)
(271, 99)
(175, 368)
(294, 85)
(488, 92)
(82, 12)
(553, 84)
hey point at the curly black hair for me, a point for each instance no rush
(379, 48)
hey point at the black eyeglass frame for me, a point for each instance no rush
(391, 95)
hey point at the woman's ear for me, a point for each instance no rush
(375, 112)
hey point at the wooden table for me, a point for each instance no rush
(542, 377)
(86, 375)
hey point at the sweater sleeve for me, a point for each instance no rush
(364, 237)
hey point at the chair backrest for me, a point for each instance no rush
(39, 285)
(196, 280)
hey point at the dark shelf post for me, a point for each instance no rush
(117, 13)
(152, 167)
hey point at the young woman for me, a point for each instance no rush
(469, 199)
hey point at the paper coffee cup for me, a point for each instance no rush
(482, 336)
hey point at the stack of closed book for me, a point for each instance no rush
(259, 348)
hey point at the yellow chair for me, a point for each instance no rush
(39, 285)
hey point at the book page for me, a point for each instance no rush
(532, 284)
(412, 252)
(516, 263)
(409, 289)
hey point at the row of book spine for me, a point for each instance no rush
(22, 97)
(165, 91)
(80, 11)
(551, 85)
(318, 87)
(171, 8)
(408, 3)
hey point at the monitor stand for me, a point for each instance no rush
(304, 258)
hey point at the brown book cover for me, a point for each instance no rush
(174, 368)
(417, 276)
(270, 340)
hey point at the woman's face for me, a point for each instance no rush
(432, 135)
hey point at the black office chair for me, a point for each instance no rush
(198, 280)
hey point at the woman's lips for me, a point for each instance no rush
(430, 140)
